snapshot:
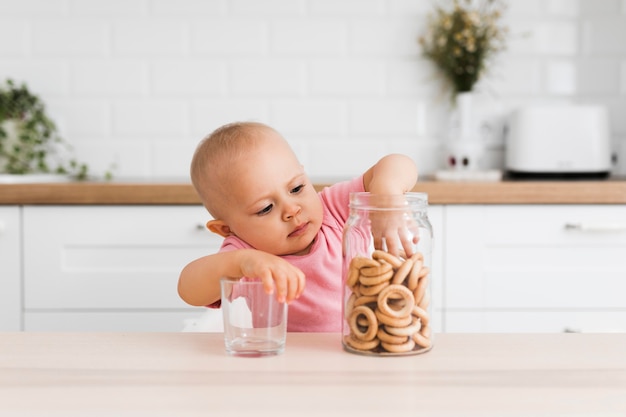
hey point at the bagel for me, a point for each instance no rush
(409, 330)
(402, 272)
(402, 348)
(389, 338)
(359, 344)
(372, 271)
(420, 290)
(393, 321)
(373, 289)
(421, 314)
(352, 277)
(422, 338)
(364, 299)
(359, 262)
(381, 255)
(371, 326)
(402, 291)
(414, 275)
(375, 279)
(425, 302)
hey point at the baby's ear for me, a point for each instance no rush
(219, 227)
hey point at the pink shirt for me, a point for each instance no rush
(319, 307)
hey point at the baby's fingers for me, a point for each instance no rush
(289, 284)
(282, 287)
(408, 245)
(268, 282)
(296, 285)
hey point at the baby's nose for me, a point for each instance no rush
(291, 211)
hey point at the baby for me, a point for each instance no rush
(277, 227)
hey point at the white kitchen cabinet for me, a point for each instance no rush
(495, 268)
(536, 321)
(115, 268)
(110, 267)
(10, 269)
(535, 268)
(112, 320)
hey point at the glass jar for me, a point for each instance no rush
(387, 305)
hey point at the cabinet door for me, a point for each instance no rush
(535, 258)
(536, 321)
(10, 269)
(206, 320)
(98, 260)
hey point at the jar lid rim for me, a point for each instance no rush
(363, 199)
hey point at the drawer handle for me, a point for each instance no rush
(596, 227)
(201, 226)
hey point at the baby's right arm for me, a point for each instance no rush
(199, 281)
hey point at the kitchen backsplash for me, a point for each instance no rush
(140, 82)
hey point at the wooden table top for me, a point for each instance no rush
(189, 374)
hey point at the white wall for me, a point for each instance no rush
(139, 82)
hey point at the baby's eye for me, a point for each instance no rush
(265, 210)
(297, 189)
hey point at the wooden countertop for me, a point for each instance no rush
(502, 192)
(189, 374)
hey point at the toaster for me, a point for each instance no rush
(552, 141)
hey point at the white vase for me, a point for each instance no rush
(464, 147)
(465, 119)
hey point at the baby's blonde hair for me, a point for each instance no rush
(211, 160)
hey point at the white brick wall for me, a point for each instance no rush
(139, 82)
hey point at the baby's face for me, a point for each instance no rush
(273, 205)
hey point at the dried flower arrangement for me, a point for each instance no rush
(462, 40)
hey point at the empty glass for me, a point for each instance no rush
(255, 323)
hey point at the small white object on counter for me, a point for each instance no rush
(468, 175)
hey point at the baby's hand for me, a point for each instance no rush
(276, 274)
(394, 233)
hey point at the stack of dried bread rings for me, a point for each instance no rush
(387, 310)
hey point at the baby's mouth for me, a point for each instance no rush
(299, 230)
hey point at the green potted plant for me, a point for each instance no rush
(29, 140)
